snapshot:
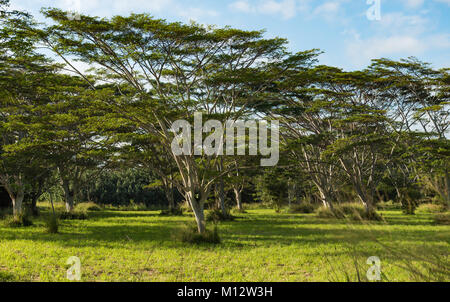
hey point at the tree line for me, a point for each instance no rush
(81, 98)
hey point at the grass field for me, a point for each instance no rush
(260, 245)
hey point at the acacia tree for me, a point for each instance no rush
(417, 98)
(175, 70)
(24, 79)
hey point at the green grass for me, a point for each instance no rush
(259, 245)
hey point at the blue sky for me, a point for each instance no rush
(340, 28)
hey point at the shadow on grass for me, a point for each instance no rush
(6, 277)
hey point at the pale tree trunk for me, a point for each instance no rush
(18, 201)
(364, 197)
(69, 196)
(197, 206)
(325, 196)
(16, 196)
(238, 196)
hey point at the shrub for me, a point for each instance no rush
(409, 207)
(351, 208)
(430, 208)
(216, 215)
(177, 211)
(238, 211)
(87, 206)
(324, 212)
(442, 218)
(388, 205)
(75, 215)
(52, 224)
(21, 220)
(353, 211)
(185, 207)
(305, 208)
(190, 234)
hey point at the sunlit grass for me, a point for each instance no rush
(260, 245)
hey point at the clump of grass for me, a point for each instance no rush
(176, 211)
(325, 213)
(74, 215)
(190, 234)
(353, 211)
(442, 218)
(216, 215)
(186, 208)
(17, 221)
(430, 208)
(132, 207)
(304, 208)
(52, 224)
(389, 205)
(235, 210)
(87, 207)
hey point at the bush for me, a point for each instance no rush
(351, 208)
(388, 205)
(75, 215)
(409, 207)
(190, 234)
(216, 215)
(324, 212)
(305, 208)
(238, 211)
(21, 220)
(87, 207)
(52, 224)
(352, 211)
(442, 218)
(177, 211)
(430, 208)
(185, 207)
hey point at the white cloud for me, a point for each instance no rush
(361, 51)
(413, 3)
(287, 9)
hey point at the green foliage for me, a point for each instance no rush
(190, 234)
(87, 207)
(119, 187)
(21, 220)
(74, 215)
(305, 208)
(430, 208)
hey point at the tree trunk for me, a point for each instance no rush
(197, 206)
(69, 197)
(221, 196)
(33, 207)
(238, 195)
(17, 202)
